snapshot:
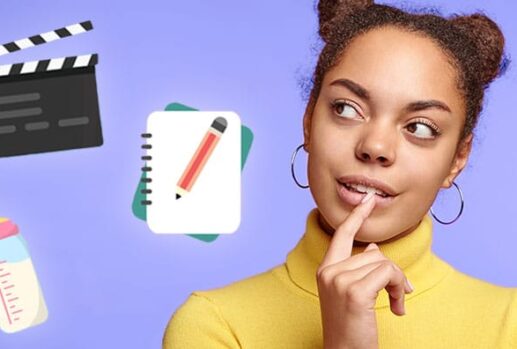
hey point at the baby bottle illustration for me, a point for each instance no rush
(21, 300)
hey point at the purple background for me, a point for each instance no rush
(111, 283)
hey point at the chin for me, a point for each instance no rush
(371, 230)
(366, 235)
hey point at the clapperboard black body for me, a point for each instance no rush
(50, 104)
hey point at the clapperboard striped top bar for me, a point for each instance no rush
(61, 108)
(46, 65)
(57, 34)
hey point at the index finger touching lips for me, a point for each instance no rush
(341, 244)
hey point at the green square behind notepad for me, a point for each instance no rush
(140, 211)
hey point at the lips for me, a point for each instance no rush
(364, 189)
(348, 186)
(362, 183)
(354, 198)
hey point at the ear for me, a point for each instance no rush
(306, 130)
(307, 121)
(460, 160)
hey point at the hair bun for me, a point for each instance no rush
(329, 10)
(489, 41)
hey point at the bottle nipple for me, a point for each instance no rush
(7, 228)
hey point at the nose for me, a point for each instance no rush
(377, 144)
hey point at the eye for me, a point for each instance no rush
(424, 129)
(344, 109)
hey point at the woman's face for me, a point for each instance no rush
(376, 117)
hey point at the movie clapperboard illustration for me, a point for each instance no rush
(50, 104)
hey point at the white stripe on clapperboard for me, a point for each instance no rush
(24, 43)
(50, 36)
(56, 63)
(82, 61)
(5, 69)
(75, 29)
(29, 67)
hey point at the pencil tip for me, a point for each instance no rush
(178, 196)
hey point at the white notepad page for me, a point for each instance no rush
(213, 206)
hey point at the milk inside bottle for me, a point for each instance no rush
(21, 300)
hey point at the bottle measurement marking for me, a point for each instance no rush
(9, 308)
(3, 299)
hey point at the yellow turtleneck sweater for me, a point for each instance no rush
(279, 308)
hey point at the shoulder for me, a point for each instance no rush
(478, 287)
(207, 318)
(198, 323)
(271, 283)
(254, 296)
(494, 302)
(476, 291)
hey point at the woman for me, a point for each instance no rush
(390, 121)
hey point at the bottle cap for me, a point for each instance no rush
(7, 228)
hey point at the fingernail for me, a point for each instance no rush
(370, 246)
(368, 196)
(410, 286)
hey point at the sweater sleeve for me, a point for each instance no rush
(198, 323)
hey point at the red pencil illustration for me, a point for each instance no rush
(201, 156)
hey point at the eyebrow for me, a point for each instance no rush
(363, 93)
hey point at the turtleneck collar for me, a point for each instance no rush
(412, 253)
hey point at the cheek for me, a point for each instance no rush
(424, 173)
(330, 159)
(330, 151)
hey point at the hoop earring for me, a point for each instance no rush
(293, 158)
(461, 208)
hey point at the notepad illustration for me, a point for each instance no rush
(50, 104)
(193, 172)
(140, 210)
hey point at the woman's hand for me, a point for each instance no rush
(348, 286)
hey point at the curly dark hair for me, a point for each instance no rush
(474, 45)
